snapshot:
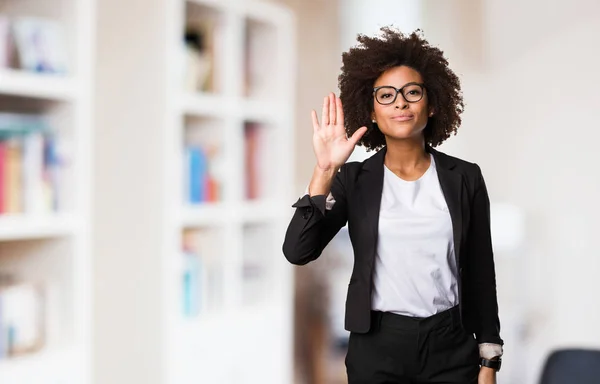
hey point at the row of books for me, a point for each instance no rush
(33, 44)
(202, 175)
(201, 183)
(201, 272)
(257, 160)
(30, 166)
(202, 268)
(22, 324)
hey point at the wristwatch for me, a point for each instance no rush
(495, 364)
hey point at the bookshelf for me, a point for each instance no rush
(45, 130)
(235, 101)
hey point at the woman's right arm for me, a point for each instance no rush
(312, 226)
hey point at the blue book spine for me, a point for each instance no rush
(52, 168)
(191, 284)
(193, 168)
(198, 167)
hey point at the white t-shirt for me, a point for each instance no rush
(415, 268)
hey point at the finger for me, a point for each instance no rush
(332, 109)
(339, 119)
(315, 121)
(356, 136)
(325, 112)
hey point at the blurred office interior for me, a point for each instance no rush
(150, 152)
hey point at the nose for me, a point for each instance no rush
(400, 102)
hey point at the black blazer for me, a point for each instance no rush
(357, 190)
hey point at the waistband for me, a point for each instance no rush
(448, 317)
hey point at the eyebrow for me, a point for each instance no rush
(389, 85)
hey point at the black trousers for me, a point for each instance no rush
(406, 350)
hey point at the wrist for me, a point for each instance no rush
(321, 181)
(487, 370)
(326, 170)
(493, 364)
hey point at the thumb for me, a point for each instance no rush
(358, 134)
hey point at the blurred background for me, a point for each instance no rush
(150, 152)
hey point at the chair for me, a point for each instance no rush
(572, 366)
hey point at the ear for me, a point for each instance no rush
(431, 112)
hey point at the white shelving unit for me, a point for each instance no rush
(19, 83)
(53, 248)
(22, 227)
(246, 333)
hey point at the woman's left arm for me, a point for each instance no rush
(483, 279)
(482, 273)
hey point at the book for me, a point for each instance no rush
(22, 324)
(201, 182)
(31, 165)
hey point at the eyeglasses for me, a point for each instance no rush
(386, 94)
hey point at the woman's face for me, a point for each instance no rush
(400, 119)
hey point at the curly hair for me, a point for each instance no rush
(366, 61)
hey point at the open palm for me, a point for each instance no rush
(331, 145)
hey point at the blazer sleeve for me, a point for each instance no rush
(312, 227)
(482, 271)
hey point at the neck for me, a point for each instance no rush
(406, 154)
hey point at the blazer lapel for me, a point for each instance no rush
(451, 183)
(370, 188)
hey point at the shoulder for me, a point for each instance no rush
(349, 172)
(470, 171)
(465, 167)
(352, 169)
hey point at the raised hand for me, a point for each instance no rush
(331, 145)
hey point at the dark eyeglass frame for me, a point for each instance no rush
(399, 91)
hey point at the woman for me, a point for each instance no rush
(421, 304)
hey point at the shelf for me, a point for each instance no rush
(198, 327)
(22, 227)
(267, 12)
(263, 110)
(204, 215)
(48, 367)
(249, 212)
(259, 211)
(264, 11)
(202, 104)
(214, 4)
(192, 325)
(39, 86)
